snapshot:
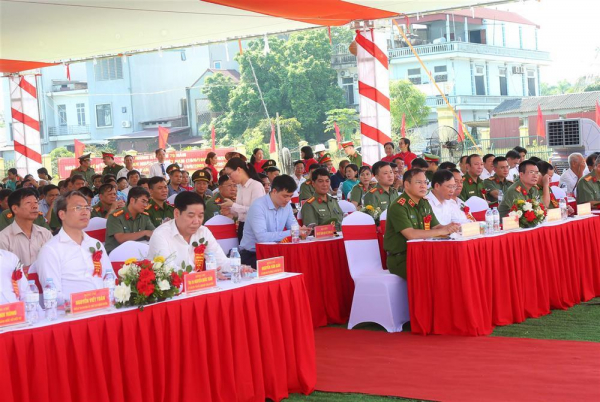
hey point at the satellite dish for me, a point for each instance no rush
(287, 164)
(445, 144)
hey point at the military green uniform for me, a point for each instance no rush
(377, 197)
(356, 159)
(494, 183)
(114, 169)
(588, 188)
(404, 213)
(55, 223)
(87, 175)
(306, 190)
(517, 192)
(315, 210)
(429, 175)
(121, 221)
(212, 207)
(98, 211)
(472, 188)
(357, 193)
(553, 200)
(157, 214)
(7, 217)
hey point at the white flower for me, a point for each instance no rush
(519, 214)
(157, 266)
(122, 293)
(164, 285)
(527, 207)
(514, 214)
(124, 271)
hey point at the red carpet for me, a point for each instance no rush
(447, 368)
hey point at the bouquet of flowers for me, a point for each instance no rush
(373, 212)
(146, 282)
(530, 213)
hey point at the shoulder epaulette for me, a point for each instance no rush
(118, 213)
(97, 209)
(148, 207)
(145, 213)
(9, 215)
(518, 188)
(41, 213)
(308, 182)
(401, 201)
(588, 178)
(310, 200)
(373, 190)
(217, 200)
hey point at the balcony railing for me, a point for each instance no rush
(464, 47)
(435, 101)
(68, 130)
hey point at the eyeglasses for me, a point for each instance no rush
(142, 201)
(80, 208)
(421, 182)
(451, 187)
(532, 172)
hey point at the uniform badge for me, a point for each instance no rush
(411, 203)
(402, 201)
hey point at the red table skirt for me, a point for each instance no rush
(246, 344)
(328, 282)
(468, 287)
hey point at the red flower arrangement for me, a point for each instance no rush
(96, 258)
(199, 249)
(16, 276)
(427, 222)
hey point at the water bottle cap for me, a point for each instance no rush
(50, 280)
(31, 282)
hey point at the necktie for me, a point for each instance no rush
(162, 167)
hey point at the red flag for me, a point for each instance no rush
(212, 137)
(329, 33)
(597, 113)
(541, 132)
(240, 45)
(79, 148)
(68, 73)
(163, 137)
(272, 142)
(403, 127)
(461, 131)
(338, 137)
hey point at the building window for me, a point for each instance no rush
(81, 114)
(531, 82)
(440, 73)
(479, 80)
(104, 115)
(503, 82)
(414, 75)
(217, 65)
(62, 115)
(109, 69)
(348, 86)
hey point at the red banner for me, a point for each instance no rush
(189, 160)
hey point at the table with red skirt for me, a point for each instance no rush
(468, 287)
(248, 343)
(324, 264)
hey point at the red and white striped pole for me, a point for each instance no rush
(374, 91)
(25, 124)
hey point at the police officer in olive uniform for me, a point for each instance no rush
(159, 214)
(433, 161)
(383, 194)
(267, 164)
(85, 170)
(201, 175)
(472, 184)
(410, 217)
(321, 208)
(497, 182)
(588, 187)
(227, 189)
(131, 220)
(352, 154)
(523, 189)
(306, 188)
(7, 217)
(98, 211)
(111, 167)
(358, 193)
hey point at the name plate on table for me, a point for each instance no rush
(511, 222)
(470, 229)
(90, 300)
(270, 266)
(554, 215)
(12, 314)
(584, 209)
(324, 232)
(198, 281)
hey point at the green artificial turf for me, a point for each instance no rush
(579, 323)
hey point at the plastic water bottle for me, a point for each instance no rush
(339, 193)
(562, 204)
(500, 197)
(235, 263)
(496, 216)
(32, 300)
(489, 222)
(211, 261)
(50, 300)
(295, 233)
(109, 283)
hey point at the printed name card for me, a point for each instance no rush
(270, 266)
(554, 215)
(324, 231)
(12, 314)
(90, 300)
(470, 229)
(198, 281)
(584, 209)
(510, 223)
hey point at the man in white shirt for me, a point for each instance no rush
(176, 239)
(457, 204)
(128, 167)
(69, 257)
(298, 175)
(443, 187)
(488, 166)
(513, 158)
(159, 168)
(571, 176)
(9, 264)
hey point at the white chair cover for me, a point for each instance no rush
(97, 229)
(171, 199)
(383, 216)
(129, 249)
(476, 204)
(220, 221)
(379, 296)
(558, 192)
(347, 207)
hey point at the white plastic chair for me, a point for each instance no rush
(558, 192)
(125, 251)
(478, 207)
(347, 207)
(96, 229)
(224, 230)
(379, 296)
(171, 199)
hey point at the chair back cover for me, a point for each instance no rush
(171, 199)
(347, 207)
(224, 230)
(558, 192)
(362, 246)
(97, 229)
(127, 250)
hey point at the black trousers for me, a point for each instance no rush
(240, 231)
(248, 258)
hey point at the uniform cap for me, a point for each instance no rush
(431, 158)
(200, 175)
(172, 167)
(346, 144)
(109, 154)
(269, 163)
(325, 158)
(86, 156)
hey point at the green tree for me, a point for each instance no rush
(346, 119)
(407, 99)
(260, 136)
(217, 89)
(60, 152)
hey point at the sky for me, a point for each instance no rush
(569, 30)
